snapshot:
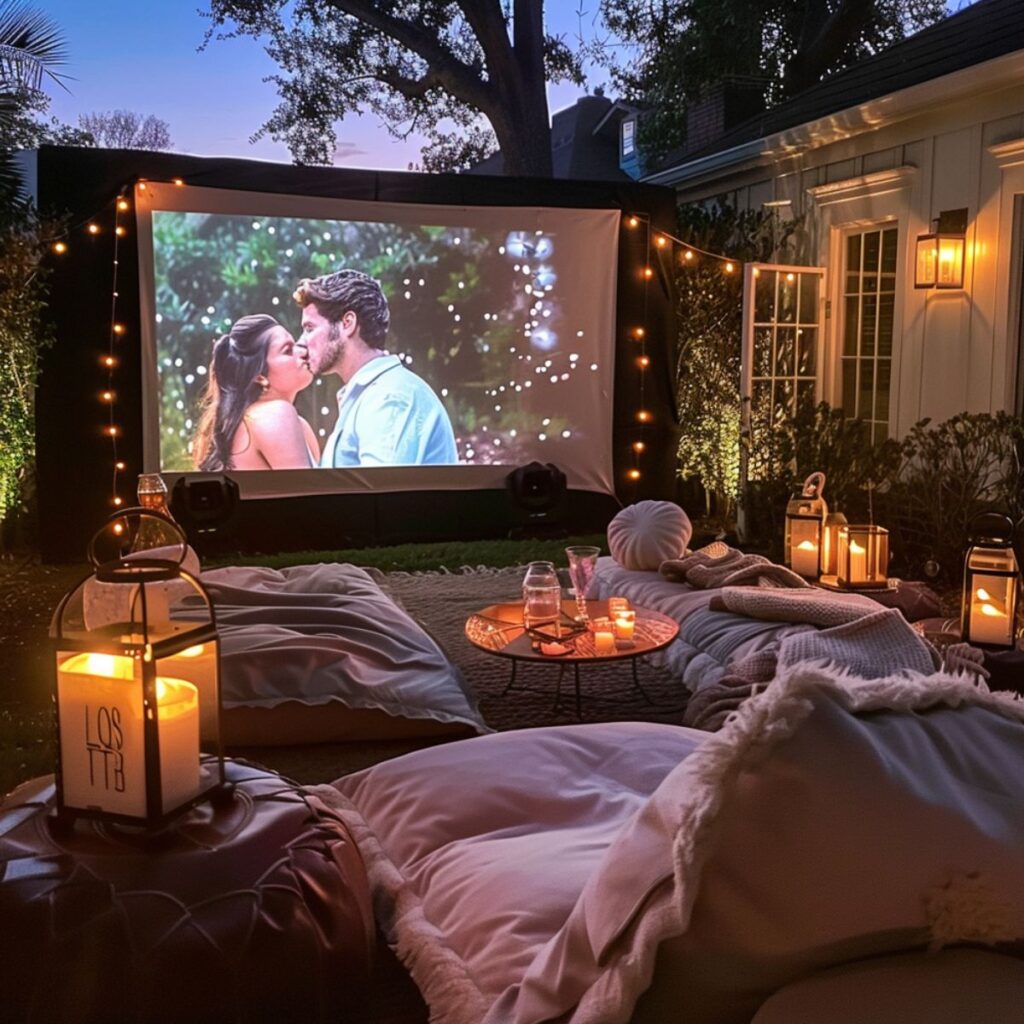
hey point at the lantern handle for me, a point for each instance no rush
(123, 517)
(814, 485)
(992, 527)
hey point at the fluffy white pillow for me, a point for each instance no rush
(831, 820)
(643, 535)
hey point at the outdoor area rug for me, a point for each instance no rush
(441, 603)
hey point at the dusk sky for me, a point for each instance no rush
(145, 58)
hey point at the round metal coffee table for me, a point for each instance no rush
(499, 629)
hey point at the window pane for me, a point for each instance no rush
(805, 396)
(807, 351)
(882, 390)
(850, 387)
(787, 299)
(852, 284)
(886, 306)
(853, 252)
(869, 313)
(808, 298)
(764, 296)
(762, 352)
(783, 399)
(872, 242)
(866, 388)
(889, 251)
(850, 326)
(785, 346)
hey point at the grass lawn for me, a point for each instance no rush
(29, 593)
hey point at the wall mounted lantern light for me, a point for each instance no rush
(939, 259)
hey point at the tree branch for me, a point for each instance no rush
(458, 78)
(821, 50)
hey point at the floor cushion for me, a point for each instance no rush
(578, 874)
(315, 653)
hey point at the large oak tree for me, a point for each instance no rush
(468, 75)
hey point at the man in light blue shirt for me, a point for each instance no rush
(387, 415)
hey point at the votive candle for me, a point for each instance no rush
(604, 642)
(625, 624)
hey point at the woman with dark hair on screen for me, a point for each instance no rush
(249, 419)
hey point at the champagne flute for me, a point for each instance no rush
(582, 567)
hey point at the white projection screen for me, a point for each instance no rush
(506, 313)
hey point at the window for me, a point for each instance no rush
(869, 302)
(628, 137)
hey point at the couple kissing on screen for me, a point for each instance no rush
(387, 415)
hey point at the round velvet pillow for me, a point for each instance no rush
(643, 535)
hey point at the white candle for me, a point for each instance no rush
(197, 665)
(101, 735)
(989, 622)
(805, 558)
(625, 623)
(604, 642)
(858, 563)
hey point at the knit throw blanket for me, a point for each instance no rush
(718, 565)
(864, 639)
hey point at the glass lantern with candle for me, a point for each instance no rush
(136, 682)
(991, 583)
(805, 525)
(862, 557)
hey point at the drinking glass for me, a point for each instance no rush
(542, 594)
(582, 567)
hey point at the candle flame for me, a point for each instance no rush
(855, 548)
(807, 545)
(982, 594)
(191, 652)
(991, 610)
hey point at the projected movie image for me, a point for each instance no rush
(297, 343)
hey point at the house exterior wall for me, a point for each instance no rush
(953, 350)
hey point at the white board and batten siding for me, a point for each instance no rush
(957, 143)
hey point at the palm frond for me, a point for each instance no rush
(31, 46)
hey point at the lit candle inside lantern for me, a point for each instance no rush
(990, 623)
(858, 562)
(625, 624)
(604, 642)
(616, 605)
(198, 666)
(805, 558)
(102, 735)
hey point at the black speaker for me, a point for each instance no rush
(537, 494)
(205, 505)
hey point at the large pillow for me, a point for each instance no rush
(831, 820)
(314, 653)
(644, 535)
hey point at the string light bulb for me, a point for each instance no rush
(93, 229)
(634, 474)
(108, 361)
(122, 204)
(643, 362)
(633, 221)
(639, 333)
(179, 182)
(111, 431)
(648, 273)
(729, 267)
(661, 241)
(106, 396)
(120, 467)
(639, 446)
(119, 231)
(643, 416)
(119, 328)
(60, 248)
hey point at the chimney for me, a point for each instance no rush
(723, 105)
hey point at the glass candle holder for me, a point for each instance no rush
(625, 625)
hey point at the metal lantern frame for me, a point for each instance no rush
(811, 508)
(951, 234)
(874, 540)
(992, 532)
(834, 521)
(136, 639)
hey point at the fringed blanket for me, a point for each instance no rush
(718, 565)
